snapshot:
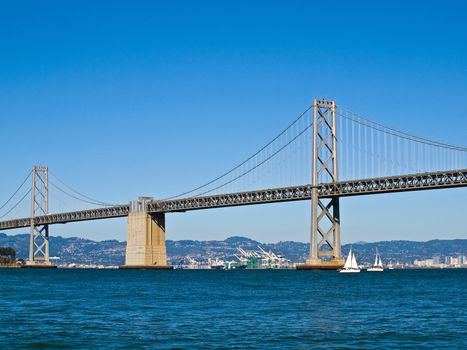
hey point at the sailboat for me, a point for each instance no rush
(378, 265)
(350, 265)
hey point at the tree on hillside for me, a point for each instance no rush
(7, 255)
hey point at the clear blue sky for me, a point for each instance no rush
(129, 98)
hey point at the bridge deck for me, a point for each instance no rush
(413, 182)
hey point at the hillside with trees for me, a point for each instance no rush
(7, 256)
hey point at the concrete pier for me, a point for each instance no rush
(146, 238)
(318, 264)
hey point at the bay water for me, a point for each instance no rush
(243, 309)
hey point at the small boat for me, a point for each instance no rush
(216, 264)
(350, 265)
(378, 265)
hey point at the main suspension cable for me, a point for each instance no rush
(394, 132)
(259, 164)
(245, 161)
(17, 190)
(87, 199)
(75, 197)
(17, 203)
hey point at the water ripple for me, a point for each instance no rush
(88, 309)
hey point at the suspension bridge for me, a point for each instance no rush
(327, 152)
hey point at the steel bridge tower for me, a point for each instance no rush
(39, 234)
(325, 240)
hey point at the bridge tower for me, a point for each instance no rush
(325, 242)
(39, 234)
(145, 248)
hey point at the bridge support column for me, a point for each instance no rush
(39, 234)
(325, 242)
(145, 247)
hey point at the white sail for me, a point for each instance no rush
(354, 262)
(348, 261)
(350, 264)
(378, 265)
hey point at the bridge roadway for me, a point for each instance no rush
(413, 182)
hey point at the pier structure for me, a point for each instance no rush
(145, 247)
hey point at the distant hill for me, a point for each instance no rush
(71, 250)
(408, 251)
(85, 251)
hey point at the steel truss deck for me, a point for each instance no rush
(413, 182)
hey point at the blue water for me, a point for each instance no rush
(92, 309)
